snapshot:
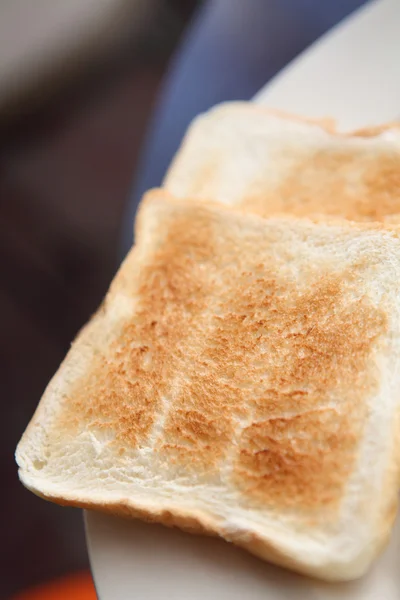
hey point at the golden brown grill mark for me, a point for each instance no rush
(301, 444)
(302, 460)
(123, 390)
(212, 391)
(355, 184)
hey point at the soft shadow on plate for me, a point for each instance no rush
(131, 559)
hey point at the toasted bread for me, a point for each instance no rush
(240, 379)
(254, 159)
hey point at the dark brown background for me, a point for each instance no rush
(66, 167)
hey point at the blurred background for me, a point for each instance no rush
(78, 81)
(94, 98)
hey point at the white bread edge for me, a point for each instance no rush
(202, 523)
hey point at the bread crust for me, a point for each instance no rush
(201, 523)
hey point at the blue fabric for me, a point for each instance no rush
(231, 50)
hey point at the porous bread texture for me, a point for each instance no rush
(240, 379)
(254, 159)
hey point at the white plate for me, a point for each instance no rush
(137, 561)
(352, 74)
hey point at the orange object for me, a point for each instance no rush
(73, 587)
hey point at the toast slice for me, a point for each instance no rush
(240, 379)
(265, 162)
